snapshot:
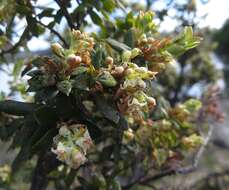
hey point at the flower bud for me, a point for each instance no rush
(118, 71)
(78, 159)
(109, 60)
(91, 40)
(129, 71)
(135, 52)
(57, 49)
(126, 56)
(141, 84)
(150, 40)
(76, 34)
(128, 135)
(74, 59)
(192, 141)
(151, 102)
(141, 69)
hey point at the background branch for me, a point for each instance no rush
(54, 32)
(16, 45)
(66, 14)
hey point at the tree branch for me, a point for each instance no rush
(16, 45)
(17, 108)
(64, 11)
(54, 32)
(45, 164)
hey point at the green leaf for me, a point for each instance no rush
(17, 69)
(80, 82)
(183, 42)
(108, 5)
(58, 16)
(46, 94)
(107, 79)
(48, 12)
(69, 179)
(117, 45)
(79, 70)
(107, 110)
(51, 24)
(192, 105)
(98, 58)
(129, 38)
(176, 50)
(38, 61)
(116, 185)
(188, 33)
(65, 87)
(96, 18)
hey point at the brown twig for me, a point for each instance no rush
(16, 45)
(54, 32)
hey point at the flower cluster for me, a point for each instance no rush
(78, 53)
(91, 69)
(172, 134)
(154, 51)
(72, 144)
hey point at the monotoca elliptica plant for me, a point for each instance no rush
(99, 105)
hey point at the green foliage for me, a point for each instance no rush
(184, 42)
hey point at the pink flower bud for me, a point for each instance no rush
(74, 59)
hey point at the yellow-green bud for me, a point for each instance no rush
(57, 49)
(128, 135)
(126, 56)
(135, 52)
(76, 34)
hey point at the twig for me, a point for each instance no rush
(16, 45)
(45, 164)
(54, 32)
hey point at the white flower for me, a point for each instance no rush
(63, 131)
(78, 158)
(73, 149)
(133, 83)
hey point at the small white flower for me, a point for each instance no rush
(64, 131)
(73, 149)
